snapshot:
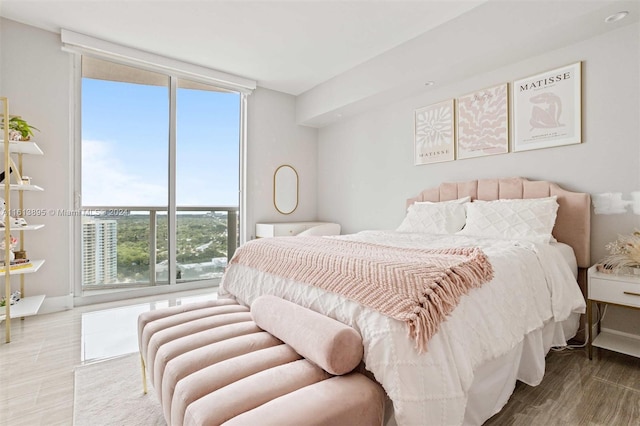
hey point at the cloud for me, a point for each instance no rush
(107, 181)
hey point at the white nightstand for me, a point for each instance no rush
(619, 290)
(283, 229)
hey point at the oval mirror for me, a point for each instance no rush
(285, 189)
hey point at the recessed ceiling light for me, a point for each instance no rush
(616, 17)
(430, 83)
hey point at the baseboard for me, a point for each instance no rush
(143, 292)
(56, 304)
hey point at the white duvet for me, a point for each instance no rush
(533, 284)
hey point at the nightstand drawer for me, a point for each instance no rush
(613, 291)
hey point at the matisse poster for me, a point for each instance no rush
(434, 133)
(547, 109)
(483, 123)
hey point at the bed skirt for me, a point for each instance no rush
(495, 380)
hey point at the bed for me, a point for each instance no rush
(497, 333)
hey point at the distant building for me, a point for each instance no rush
(99, 251)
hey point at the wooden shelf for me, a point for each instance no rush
(25, 307)
(22, 147)
(35, 265)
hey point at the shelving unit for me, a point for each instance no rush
(26, 306)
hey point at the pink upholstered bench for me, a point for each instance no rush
(217, 363)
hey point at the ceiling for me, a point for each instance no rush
(289, 46)
(338, 57)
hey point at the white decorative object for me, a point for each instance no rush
(12, 256)
(635, 196)
(613, 203)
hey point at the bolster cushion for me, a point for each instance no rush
(335, 347)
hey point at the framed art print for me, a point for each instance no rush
(434, 133)
(547, 109)
(483, 123)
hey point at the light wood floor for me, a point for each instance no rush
(36, 385)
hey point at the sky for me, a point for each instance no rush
(125, 145)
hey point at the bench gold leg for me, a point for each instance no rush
(144, 375)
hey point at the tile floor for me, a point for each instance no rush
(37, 367)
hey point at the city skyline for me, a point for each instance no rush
(117, 251)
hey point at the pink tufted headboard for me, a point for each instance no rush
(573, 224)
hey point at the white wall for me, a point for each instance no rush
(275, 139)
(365, 164)
(35, 77)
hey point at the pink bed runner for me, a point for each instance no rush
(417, 286)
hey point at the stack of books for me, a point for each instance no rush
(16, 264)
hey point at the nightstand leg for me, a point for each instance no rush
(589, 328)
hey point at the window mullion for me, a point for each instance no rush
(171, 213)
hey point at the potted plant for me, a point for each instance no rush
(19, 129)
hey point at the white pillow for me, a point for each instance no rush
(434, 218)
(456, 201)
(529, 219)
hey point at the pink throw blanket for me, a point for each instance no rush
(417, 286)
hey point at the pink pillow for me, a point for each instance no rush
(335, 347)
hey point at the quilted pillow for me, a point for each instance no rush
(447, 217)
(528, 219)
(456, 201)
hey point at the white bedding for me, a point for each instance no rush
(569, 256)
(431, 388)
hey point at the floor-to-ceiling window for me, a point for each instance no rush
(207, 168)
(159, 176)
